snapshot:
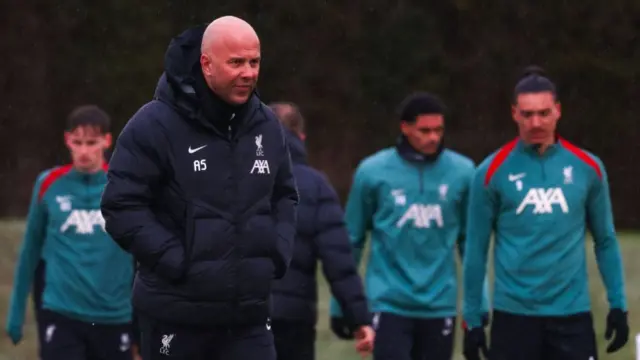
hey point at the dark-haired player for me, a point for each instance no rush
(539, 194)
(412, 198)
(86, 303)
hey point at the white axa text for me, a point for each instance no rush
(84, 221)
(262, 166)
(422, 216)
(543, 201)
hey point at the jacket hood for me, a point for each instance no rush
(177, 83)
(182, 84)
(296, 148)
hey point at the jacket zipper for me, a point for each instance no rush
(421, 178)
(541, 160)
(234, 172)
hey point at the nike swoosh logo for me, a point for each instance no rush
(516, 176)
(191, 151)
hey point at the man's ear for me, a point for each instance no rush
(67, 139)
(205, 64)
(405, 128)
(108, 140)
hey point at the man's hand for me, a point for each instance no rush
(365, 337)
(135, 351)
(617, 323)
(14, 333)
(475, 343)
(486, 319)
(341, 328)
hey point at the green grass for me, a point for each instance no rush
(328, 346)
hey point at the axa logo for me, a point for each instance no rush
(261, 166)
(83, 221)
(543, 201)
(422, 216)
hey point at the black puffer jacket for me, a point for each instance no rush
(202, 194)
(321, 235)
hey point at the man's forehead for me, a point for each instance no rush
(536, 101)
(429, 120)
(238, 42)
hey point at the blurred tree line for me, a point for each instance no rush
(346, 63)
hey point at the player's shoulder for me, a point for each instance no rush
(495, 161)
(311, 175)
(151, 119)
(377, 160)
(458, 160)
(267, 112)
(53, 173)
(586, 157)
(270, 120)
(48, 177)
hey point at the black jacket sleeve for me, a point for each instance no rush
(284, 202)
(338, 264)
(136, 168)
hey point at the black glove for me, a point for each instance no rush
(475, 343)
(342, 328)
(616, 322)
(486, 319)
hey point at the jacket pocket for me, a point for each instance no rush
(211, 256)
(259, 237)
(208, 234)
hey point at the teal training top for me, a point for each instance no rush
(87, 276)
(539, 208)
(415, 213)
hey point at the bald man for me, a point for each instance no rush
(200, 190)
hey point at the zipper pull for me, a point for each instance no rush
(230, 135)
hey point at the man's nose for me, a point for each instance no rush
(249, 72)
(82, 149)
(536, 121)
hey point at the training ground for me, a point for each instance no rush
(328, 347)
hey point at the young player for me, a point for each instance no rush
(86, 306)
(539, 194)
(412, 197)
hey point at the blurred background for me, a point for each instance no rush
(347, 64)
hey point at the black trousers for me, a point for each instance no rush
(294, 340)
(403, 338)
(68, 339)
(519, 337)
(161, 341)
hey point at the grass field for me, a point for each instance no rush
(328, 347)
